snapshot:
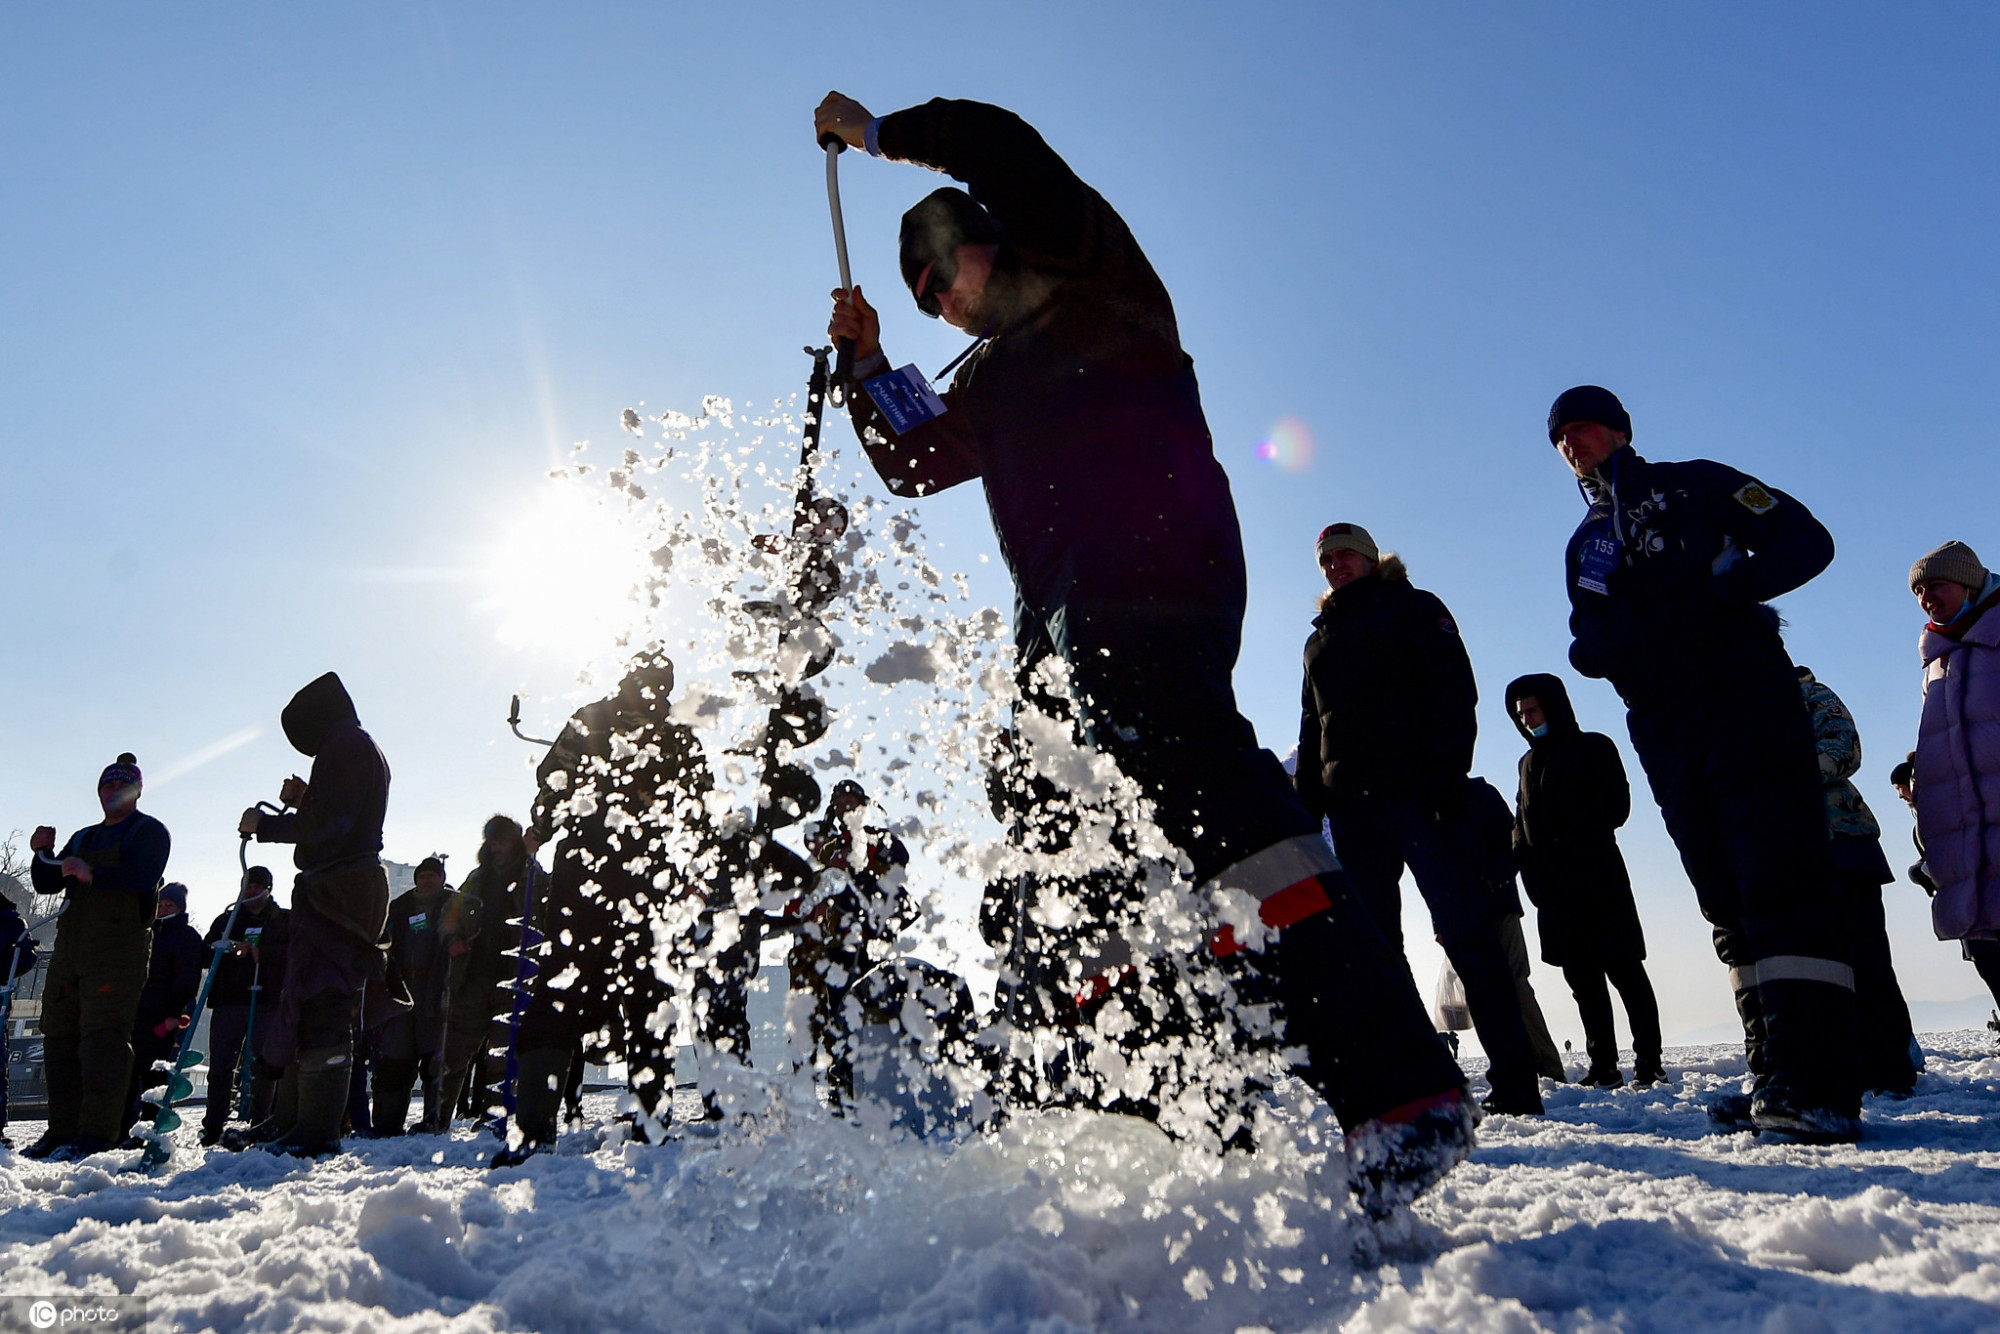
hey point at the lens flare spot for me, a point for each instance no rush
(1289, 446)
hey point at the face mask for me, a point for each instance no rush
(1540, 730)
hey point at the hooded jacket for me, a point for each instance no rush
(1573, 797)
(347, 794)
(1388, 707)
(1081, 413)
(1958, 769)
(1668, 573)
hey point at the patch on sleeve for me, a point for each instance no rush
(1756, 499)
(1446, 624)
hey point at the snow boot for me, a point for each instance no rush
(1730, 1114)
(46, 1145)
(1602, 1077)
(321, 1081)
(1648, 1072)
(83, 1146)
(1402, 1153)
(1773, 1110)
(1514, 1102)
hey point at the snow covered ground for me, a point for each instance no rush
(1617, 1211)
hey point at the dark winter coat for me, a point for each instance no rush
(129, 857)
(1082, 414)
(1573, 798)
(417, 950)
(270, 930)
(340, 820)
(174, 974)
(1696, 549)
(1492, 823)
(1388, 704)
(659, 782)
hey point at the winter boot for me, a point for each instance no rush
(1405, 1151)
(1811, 1088)
(322, 1080)
(1730, 1114)
(62, 1070)
(83, 1146)
(1603, 1077)
(395, 1080)
(1648, 1072)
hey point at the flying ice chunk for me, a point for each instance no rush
(904, 662)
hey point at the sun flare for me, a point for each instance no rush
(564, 572)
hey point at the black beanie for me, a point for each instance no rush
(937, 226)
(1588, 403)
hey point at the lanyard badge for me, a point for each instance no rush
(1597, 560)
(905, 398)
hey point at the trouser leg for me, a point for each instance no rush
(62, 1072)
(106, 1058)
(1374, 867)
(1882, 1013)
(1354, 1009)
(1548, 1059)
(1737, 783)
(1642, 1011)
(539, 1074)
(1985, 957)
(1593, 1006)
(228, 1026)
(1461, 913)
(395, 1079)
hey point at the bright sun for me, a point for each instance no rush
(562, 574)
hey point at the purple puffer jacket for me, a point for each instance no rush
(1958, 776)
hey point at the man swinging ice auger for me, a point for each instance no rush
(1081, 414)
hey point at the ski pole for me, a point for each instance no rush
(843, 365)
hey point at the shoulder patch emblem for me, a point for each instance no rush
(1756, 499)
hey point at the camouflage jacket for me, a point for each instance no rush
(1838, 742)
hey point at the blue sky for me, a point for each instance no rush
(298, 305)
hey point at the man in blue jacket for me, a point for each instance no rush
(111, 873)
(1081, 416)
(1668, 577)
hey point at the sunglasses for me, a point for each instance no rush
(933, 282)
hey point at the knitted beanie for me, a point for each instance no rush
(1346, 537)
(1588, 403)
(1954, 561)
